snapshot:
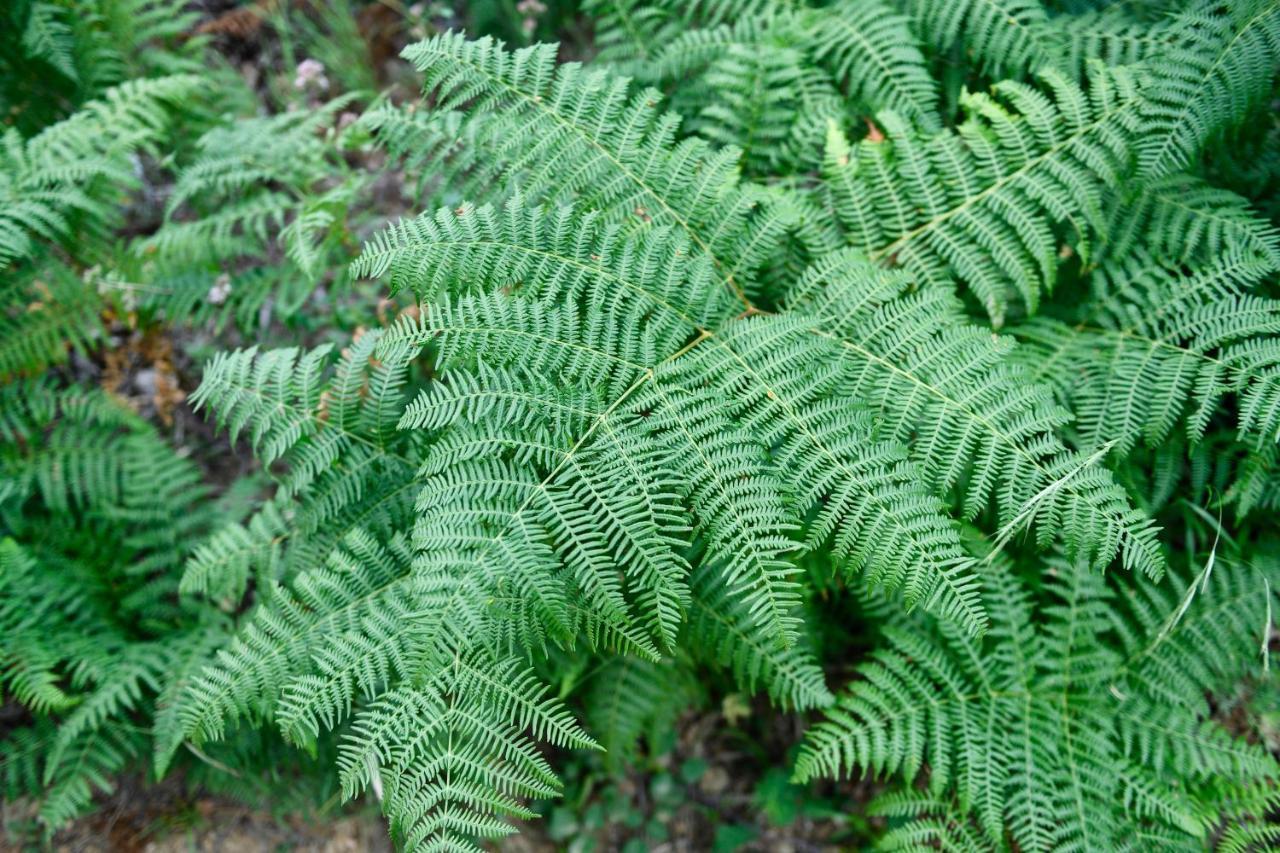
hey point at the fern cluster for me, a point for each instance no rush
(965, 308)
(1079, 723)
(100, 509)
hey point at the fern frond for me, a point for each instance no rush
(286, 149)
(257, 185)
(722, 628)
(275, 396)
(628, 699)
(778, 377)
(220, 566)
(44, 317)
(357, 595)
(969, 415)
(46, 36)
(1161, 348)
(546, 252)
(630, 33)
(873, 53)
(1033, 734)
(1004, 38)
(568, 134)
(450, 759)
(982, 204)
(90, 765)
(912, 521)
(764, 98)
(1223, 64)
(650, 416)
(1111, 35)
(1182, 217)
(926, 823)
(71, 168)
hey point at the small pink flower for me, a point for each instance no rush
(310, 74)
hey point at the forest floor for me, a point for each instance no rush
(717, 789)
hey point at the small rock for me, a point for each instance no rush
(714, 781)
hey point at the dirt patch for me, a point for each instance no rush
(150, 818)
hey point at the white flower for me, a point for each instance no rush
(220, 291)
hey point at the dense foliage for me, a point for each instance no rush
(951, 325)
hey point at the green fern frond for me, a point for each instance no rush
(568, 134)
(1033, 733)
(357, 595)
(188, 654)
(220, 566)
(546, 252)
(779, 378)
(983, 203)
(1004, 38)
(1182, 217)
(275, 396)
(1112, 35)
(1222, 65)
(449, 755)
(970, 416)
(925, 822)
(873, 54)
(89, 766)
(44, 316)
(628, 699)
(674, 384)
(286, 149)
(254, 188)
(46, 36)
(769, 84)
(761, 96)
(631, 33)
(1161, 348)
(722, 629)
(758, 364)
(73, 168)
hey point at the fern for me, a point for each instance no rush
(874, 54)
(1005, 37)
(762, 94)
(97, 513)
(780, 341)
(49, 178)
(1222, 66)
(596, 384)
(614, 447)
(47, 314)
(64, 54)
(974, 417)
(629, 699)
(609, 451)
(253, 188)
(1183, 218)
(47, 37)
(1074, 728)
(982, 204)
(1113, 35)
(220, 567)
(577, 135)
(1160, 348)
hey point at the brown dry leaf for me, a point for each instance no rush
(144, 362)
(242, 22)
